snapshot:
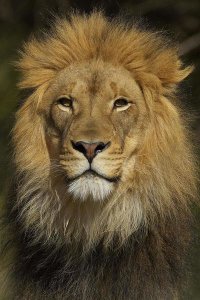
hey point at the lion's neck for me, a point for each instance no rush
(143, 265)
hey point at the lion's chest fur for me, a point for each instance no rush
(142, 266)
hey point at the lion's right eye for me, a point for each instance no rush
(64, 103)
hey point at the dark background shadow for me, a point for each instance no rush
(179, 19)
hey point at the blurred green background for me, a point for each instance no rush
(180, 20)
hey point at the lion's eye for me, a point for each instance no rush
(64, 103)
(121, 104)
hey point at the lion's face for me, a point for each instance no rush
(95, 115)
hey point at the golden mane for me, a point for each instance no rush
(159, 186)
(84, 38)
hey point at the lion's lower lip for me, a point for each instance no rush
(95, 174)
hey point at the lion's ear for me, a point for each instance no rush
(163, 70)
(168, 67)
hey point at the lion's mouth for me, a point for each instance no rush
(93, 174)
(91, 185)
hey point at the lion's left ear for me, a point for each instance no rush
(168, 67)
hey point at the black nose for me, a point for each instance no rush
(90, 150)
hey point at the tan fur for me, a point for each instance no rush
(155, 160)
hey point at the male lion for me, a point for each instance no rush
(104, 168)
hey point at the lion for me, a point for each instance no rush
(105, 169)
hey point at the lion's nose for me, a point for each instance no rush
(90, 150)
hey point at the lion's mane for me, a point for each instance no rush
(138, 237)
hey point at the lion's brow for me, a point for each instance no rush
(117, 91)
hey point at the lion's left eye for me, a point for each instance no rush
(121, 103)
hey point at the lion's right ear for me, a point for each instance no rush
(34, 65)
(29, 138)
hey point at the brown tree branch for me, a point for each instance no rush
(190, 44)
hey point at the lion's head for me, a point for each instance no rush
(95, 116)
(100, 148)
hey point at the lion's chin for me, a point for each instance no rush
(90, 187)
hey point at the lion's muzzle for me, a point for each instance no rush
(90, 149)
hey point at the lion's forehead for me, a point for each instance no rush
(96, 79)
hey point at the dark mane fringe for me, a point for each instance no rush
(151, 263)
